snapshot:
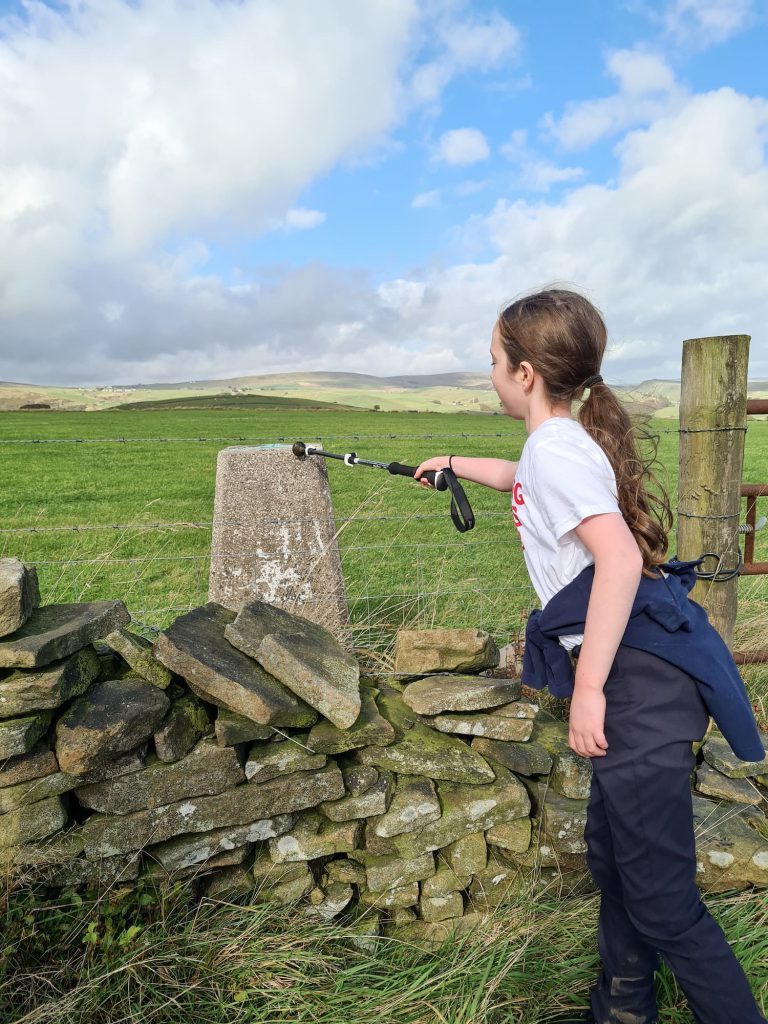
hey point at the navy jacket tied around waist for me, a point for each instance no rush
(665, 622)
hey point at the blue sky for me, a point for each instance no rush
(208, 188)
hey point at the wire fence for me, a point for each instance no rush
(89, 522)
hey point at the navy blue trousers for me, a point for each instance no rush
(642, 855)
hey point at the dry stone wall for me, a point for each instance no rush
(245, 751)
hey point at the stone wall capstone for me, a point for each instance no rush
(246, 752)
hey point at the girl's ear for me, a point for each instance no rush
(525, 371)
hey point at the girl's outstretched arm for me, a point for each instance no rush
(618, 569)
(496, 473)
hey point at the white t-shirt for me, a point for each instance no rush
(563, 477)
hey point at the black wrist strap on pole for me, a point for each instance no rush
(461, 511)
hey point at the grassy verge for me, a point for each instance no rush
(156, 955)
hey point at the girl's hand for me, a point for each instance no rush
(437, 462)
(586, 722)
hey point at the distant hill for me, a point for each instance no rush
(249, 403)
(434, 392)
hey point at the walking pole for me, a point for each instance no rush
(441, 479)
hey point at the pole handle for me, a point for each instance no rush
(435, 477)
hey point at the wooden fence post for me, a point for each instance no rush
(713, 417)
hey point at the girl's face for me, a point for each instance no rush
(506, 383)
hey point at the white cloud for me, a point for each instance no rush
(462, 146)
(122, 127)
(675, 249)
(426, 199)
(402, 296)
(464, 44)
(540, 175)
(535, 174)
(702, 23)
(302, 219)
(647, 89)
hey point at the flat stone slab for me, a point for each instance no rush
(443, 692)
(358, 778)
(270, 760)
(231, 729)
(268, 872)
(422, 651)
(343, 869)
(23, 691)
(195, 647)
(138, 653)
(330, 902)
(55, 631)
(398, 897)
(465, 809)
(207, 769)
(443, 881)
(729, 853)
(182, 727)
(563, 821)
(525, 757)
(441, 908)
(108, 835)
(495, 726)
(391, 871)
(304, 656)
(185, 850)
(369, 727)
(14, 797)
(239, 855)
(40, 760)
(32, 822)
(717, 752)
(313, 836)
(414, 804)
(374, 801)
(423, 751)
(468, 854)
(57, 848)
(514, 835)
(113, 717)
(19, 594)
(19, 735)
(710, 782)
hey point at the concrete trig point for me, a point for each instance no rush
(274, 535)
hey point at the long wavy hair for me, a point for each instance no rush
(563, 336)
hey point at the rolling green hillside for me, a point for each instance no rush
(441, 392)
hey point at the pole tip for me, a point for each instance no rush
(299, 449)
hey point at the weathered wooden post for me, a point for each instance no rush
(274, 535)
(713, 417)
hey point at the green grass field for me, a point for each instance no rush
(159, 956)
(404, 562)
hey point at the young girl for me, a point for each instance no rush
(582, 509)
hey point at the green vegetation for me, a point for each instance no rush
(156, 954)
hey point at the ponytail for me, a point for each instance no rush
(647, 514)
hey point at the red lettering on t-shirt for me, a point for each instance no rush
(517, 499)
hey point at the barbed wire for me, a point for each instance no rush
(240, 437)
